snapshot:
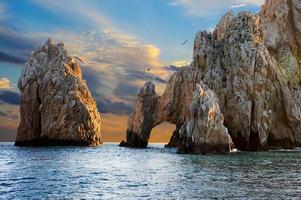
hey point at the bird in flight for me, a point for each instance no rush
(184, 42)
(148, 69)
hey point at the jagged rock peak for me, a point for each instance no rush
(223, 25)
(147, 89)
(56, 105)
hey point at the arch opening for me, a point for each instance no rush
(162, 133)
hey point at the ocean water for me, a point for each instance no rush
(113, 172)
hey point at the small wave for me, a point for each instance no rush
(96, 173)
(234, 151)
(22, 178)
(5, 184)
(296, 149)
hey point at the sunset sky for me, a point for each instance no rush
(117, 39)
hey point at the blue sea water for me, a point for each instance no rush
(113, 172)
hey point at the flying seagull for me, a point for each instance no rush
(184, 42)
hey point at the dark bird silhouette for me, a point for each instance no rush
(148, 69)
(184, 42)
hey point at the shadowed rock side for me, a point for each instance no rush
(56, 104)
(142, 121)
(252, 64)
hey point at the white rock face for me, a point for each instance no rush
(253, 65)
(56, 104)
(205, 131)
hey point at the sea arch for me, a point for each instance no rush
(152, 110)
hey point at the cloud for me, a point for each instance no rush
(116, 65)
(173, 68)
(10, 59)
(115, 61)
(5, 83)
(2, 12)
(120, 108)
(252, 2)
(207, 8)
(238, 5)
(79, 9)
(9, 115)
(181, 63)
(9, 120)
(13, 39)
(144, 75)
(16, 47)
(112, 60)
(173, 3)
(10, 97)
(122, 43)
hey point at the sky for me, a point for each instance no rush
(117, 40)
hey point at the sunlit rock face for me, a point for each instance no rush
(56, 104)
(204, 130)
(252, 64)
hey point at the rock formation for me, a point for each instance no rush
(56, 104)
(253, 65)
(143, 119)
(204, 129)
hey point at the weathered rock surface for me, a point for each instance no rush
(252, 64)
(205, 131)
(142, 120)
(56, 104)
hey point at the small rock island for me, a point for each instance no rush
(242, 89)
(56, 105)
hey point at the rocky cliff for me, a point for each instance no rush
(56, 104)
(252, 64)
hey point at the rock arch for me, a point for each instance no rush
(250, 69)
(199, 127)
(152, 110)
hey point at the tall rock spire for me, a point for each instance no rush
(56, 105)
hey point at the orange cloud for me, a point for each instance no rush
(181, 63)
(5, 83)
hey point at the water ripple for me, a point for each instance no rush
(111, 172)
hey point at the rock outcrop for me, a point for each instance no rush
(142, 121)
(253, 65)
(205, 130)
(56, 104)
